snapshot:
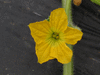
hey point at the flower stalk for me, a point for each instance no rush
(66, 4)
(68, 68)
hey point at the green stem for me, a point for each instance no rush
(63, 3)
(68, 68)
(67, 5)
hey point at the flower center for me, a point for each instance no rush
(55, 35)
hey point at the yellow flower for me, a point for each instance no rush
(51, 37)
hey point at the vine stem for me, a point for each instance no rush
(66, 4)
(68, 68)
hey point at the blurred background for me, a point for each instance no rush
(17, 47)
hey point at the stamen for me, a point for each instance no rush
(55, 35)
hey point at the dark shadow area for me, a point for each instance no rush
(87, 51)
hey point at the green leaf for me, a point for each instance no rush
(96, 2)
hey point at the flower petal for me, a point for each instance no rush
(72, 35)
(62, 53)
(58, 19)
(39, 29)
(43, 52)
